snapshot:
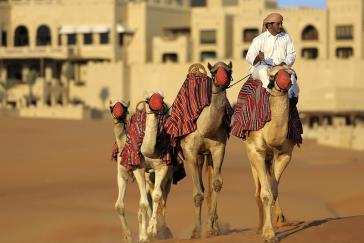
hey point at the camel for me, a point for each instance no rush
(151, 165)
(207, 143)
(120, 130)
(269, 152)
(163, 174)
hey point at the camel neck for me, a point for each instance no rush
(120, 134)
(150, 134)
(211, 118)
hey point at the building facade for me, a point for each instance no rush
(121, 48)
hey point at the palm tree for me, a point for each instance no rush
(31, 78)
(68, 71)
(7, 84)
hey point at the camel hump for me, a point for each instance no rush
(197, 69)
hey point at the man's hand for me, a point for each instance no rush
(259, 58)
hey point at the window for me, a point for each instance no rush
(198, 3)
(71, 39)
(208, 37)
(309, 53)
(230, 3)
(87, 38)
(14, 71)
(121, 39)
(43, 36)
(344, 32)
(21, 37)
(309, 33)
(207, 55)
(170, 57)
(104, 38)
(244, 53)
(250, 34)
(4, 38)
(344, 52)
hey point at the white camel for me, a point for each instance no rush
(149, 222)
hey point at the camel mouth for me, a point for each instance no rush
(222, 77)
(155, 102)
(283, 80)
(118, 111)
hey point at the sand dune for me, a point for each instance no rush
(59, 185)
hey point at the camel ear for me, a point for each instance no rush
(230, 65)
(209, 66)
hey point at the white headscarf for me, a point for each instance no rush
(273, 17)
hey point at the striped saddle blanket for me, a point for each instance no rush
(130, 155)
(252, 111)
(193, 96)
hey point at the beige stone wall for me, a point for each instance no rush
(346, 13)
(209, 19)
(101, 77)
(179, 45)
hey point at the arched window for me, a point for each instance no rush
(310, 33)
(43, 36)
(21, 37)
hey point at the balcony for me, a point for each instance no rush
(62, 52)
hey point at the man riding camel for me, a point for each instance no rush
(271, 48)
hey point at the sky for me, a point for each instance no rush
(302, 3)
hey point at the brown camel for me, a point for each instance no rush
(269, 152)
(209, 139)
(158, 189)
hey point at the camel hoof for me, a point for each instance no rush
(196, 233)
(281, 221)
(152, 231)
(272, 240)
(269, 236)
(143, 240)
(164, 233)
(213, 232)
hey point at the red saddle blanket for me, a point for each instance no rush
(252, 111)
(130, 154)
(193, 96)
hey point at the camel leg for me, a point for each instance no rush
(160, 174)
(164, 232)
(217, 159)
(144, 210)
(122, 179)
(257, 159)
(195, 171)
(258, 200)
(280, 164)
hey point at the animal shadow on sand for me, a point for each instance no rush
(299, 226)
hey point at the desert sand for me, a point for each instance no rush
(58, 184)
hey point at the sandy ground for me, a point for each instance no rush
(57, 184)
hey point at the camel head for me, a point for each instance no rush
(155, 102)
(221, 74)
(119, 110)
(280, 79)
